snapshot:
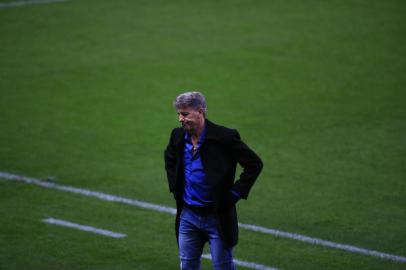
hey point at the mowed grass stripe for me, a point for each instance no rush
(165, 209)
(87, 228)
(31, 2)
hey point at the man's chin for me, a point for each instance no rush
(187, 128)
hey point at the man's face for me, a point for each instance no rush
(190, 118)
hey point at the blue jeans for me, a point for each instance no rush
(194, 231)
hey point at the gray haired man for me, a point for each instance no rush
(200, 162)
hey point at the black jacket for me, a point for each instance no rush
(220, 152)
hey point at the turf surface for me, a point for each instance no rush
(315, 87)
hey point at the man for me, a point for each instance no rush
(200, 162)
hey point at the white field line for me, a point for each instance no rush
(85, 228)
(161, 208)
(30, 2)
(245, 264)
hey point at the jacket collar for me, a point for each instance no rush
(211, 130)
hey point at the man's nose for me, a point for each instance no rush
(181, 118)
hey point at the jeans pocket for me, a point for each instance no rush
(185, 214)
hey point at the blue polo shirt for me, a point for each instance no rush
(197, 191)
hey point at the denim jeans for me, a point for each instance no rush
(194, 231)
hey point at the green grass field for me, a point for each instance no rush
(317, 88)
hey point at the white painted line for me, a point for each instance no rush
(89, 193)
(160, 208)
(85, 228)
(30, 2)
(245, 264)
(317, 241)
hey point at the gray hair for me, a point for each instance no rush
(194, 100)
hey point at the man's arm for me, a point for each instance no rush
(170, 163)
(249, 161)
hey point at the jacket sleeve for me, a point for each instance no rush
(249, 161)
(170, 163)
